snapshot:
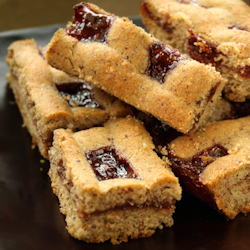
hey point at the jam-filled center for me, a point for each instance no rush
(189, 170)
(88, 25)
(206, 52)
(201, 50)
(162, 59)
(192, 167)
(108, 164)
(78, 94)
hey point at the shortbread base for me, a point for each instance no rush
(116, 225)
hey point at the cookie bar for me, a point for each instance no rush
(110, 183)
(229, 110)
(162, 134)
(211, 31)
(214, 165)
(124, 60)
(48, 98)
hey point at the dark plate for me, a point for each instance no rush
(29, 211)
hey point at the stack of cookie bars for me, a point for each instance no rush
(127, 118)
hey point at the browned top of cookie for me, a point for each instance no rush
(129, 63)
(114, 166)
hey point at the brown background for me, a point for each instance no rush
(15, 14)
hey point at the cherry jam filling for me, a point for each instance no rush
(162, 59)
(198, 48)
(108, 164)
(78, 95)
(190, 169)
(205, 52)
(201, 50)
(88, 25)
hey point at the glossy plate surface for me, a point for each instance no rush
(29, 211)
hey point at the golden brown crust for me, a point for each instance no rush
(42, 107)
(119, 66)
(226, 177)
(218, 23)
(86, 201)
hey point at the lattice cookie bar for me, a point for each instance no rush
(48, 98)
(110, 183)
(211, 31)
(124, 60)
(214, 165)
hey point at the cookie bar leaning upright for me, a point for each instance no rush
(214, 32)
(49, 99)
(110, 183)
(214, 165)
(124, 60)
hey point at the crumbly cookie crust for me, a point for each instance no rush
(214, 31)
(116, 208)
(224, 180)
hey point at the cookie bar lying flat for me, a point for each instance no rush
(211, 31)
(124, 60)
(214, 165)
(110, 183)
(48, 98)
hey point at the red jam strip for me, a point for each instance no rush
(162, 59)
(89, 25)
(108, 164)
(205, 52)
(78, 95)
(201, 50)
(189, 169)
